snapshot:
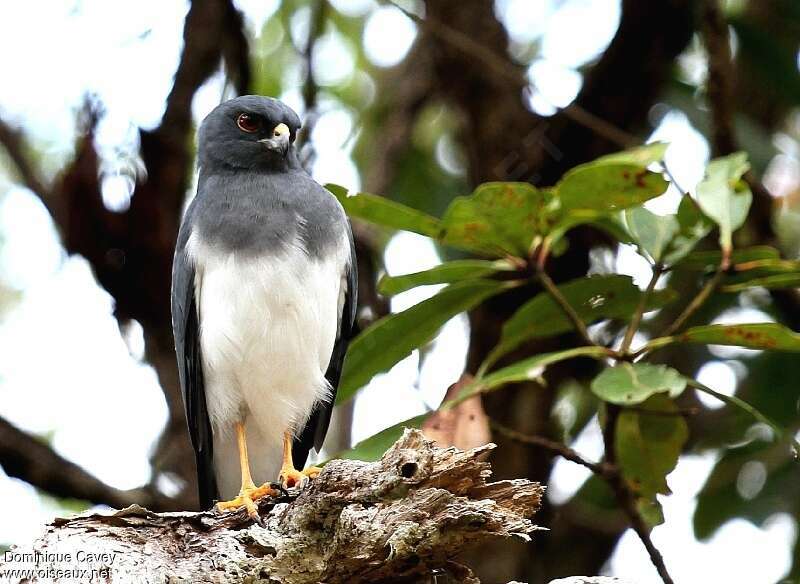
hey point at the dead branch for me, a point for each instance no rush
(398, 519)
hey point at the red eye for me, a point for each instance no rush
(248, 123)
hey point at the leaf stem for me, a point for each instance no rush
(701, 297)
(658, 269)
(743, 405)
(562, 302)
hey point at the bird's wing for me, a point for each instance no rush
(313, 435)
(185, 327)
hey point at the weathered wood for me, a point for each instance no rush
(401, 518)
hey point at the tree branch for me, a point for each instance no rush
(26, 457)
(627, 79)
(719, 84)
(563, 303)
(397, 519)
(698, 301)
(602, 469)
(658, 269)
(310, 87)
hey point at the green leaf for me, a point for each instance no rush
(709, 260)
(593, 298)
(633, 383)
(607, 187)
(767, 266)
(769, 273)
(524, 370)
(692, 227)
(445, 273)
(641, 155)
(375, 446)
(724, 197)
(768, 336)
(385, 212)
(651, 511)
(614, 226)
(648, 445)
(652, 233)
(497, 219)
(773, 282)
(391, 339)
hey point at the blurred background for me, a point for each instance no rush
(417, 101)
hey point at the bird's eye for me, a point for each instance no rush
(248, 123)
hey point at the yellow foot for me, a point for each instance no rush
(247, 498)
(291, 477)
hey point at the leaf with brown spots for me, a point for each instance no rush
(498, 219)
(768, 336)
(607, 187)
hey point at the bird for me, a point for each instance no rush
(264, 286)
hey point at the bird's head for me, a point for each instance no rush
(249, 132)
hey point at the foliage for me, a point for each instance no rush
(514, 228)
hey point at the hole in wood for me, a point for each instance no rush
(408, 469)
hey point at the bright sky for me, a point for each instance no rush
(66, 371)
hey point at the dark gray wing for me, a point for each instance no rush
(185, 327)
(313, 435)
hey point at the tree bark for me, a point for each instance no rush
(399, 519)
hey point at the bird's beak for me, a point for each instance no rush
(279, 141)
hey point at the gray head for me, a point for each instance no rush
(249, 132)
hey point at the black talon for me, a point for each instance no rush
(279, 487)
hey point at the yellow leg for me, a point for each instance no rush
(290, 476)
(249, 493)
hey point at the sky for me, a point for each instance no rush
(96, 399)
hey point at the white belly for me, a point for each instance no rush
(267, 330)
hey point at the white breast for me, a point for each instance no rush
(267, 329)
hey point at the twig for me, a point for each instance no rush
(658, 269)
(672, 178)
(508, 70)
(562, 302)
(626, 498)
(700, 299)
(599, 468)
